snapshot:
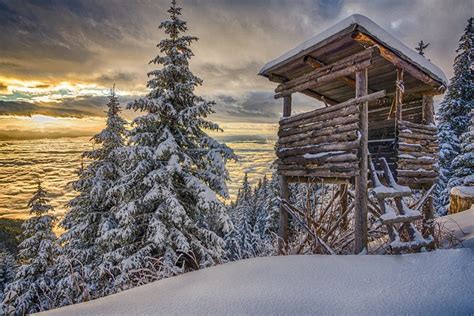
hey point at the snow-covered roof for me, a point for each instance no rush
(371, 28)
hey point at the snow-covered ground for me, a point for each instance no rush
(461, 225)
(436, 283)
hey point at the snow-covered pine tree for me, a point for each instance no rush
(7, 271)
(453, 113)
(245, 216)
(82, 269)
(169, 205)
(463, 164)
(266, 206)
(33, 288)
(448, 148)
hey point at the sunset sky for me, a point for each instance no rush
(58, 59)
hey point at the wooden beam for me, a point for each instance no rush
(428, 110)
(316, 64)
(340, 68)
(287, 106)
(318, 96)
(345, 104)
(367, 41)
(338, 65)
(399, 94)
(284, 193)
(311, 83)
(309, 92)
(343, 188)
(361, 199)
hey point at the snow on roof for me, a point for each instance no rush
(435, 283)
(372, 29)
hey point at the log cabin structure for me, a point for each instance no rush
(377, 110)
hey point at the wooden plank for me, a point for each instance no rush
(339, 121)
(403, 128)
(361, 181)
(420, 126)
(331, 130)
(349, 110)
(345, 104)
(327, 180)
(333, 138)
(328, 166)
(417, 153)
(310, 93)
(326, 78)
(317, 174)
(318, 96)
(325, 70)
(341, 146)
(316, 64)
(421, 173)
(416, 181)
(300, 160)
(417, 136)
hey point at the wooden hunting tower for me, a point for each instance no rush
(378, 97)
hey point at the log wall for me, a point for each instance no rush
(320, 144)
(417, 154)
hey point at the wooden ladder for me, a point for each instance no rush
(400, 218)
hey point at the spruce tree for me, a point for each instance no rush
(90, 218)
(266, 211)
(33, 287)
(245, 213)
(7, 271)
(170, 217)
(463, 164)
(453, 113)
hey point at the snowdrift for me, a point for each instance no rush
(461, 225)
(440, 282)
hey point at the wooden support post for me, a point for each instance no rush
(284, 192)
(399, 94)
(428, 216)
(361, 200)
(287, 106)
(428, 110)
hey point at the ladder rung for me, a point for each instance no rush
(410, 245)
(383, 192)
(389, 218)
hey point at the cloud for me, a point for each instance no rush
(108, 79)
(257, 107)
(3, 88)
(78, 107)
(102, 42)
(16, 134)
